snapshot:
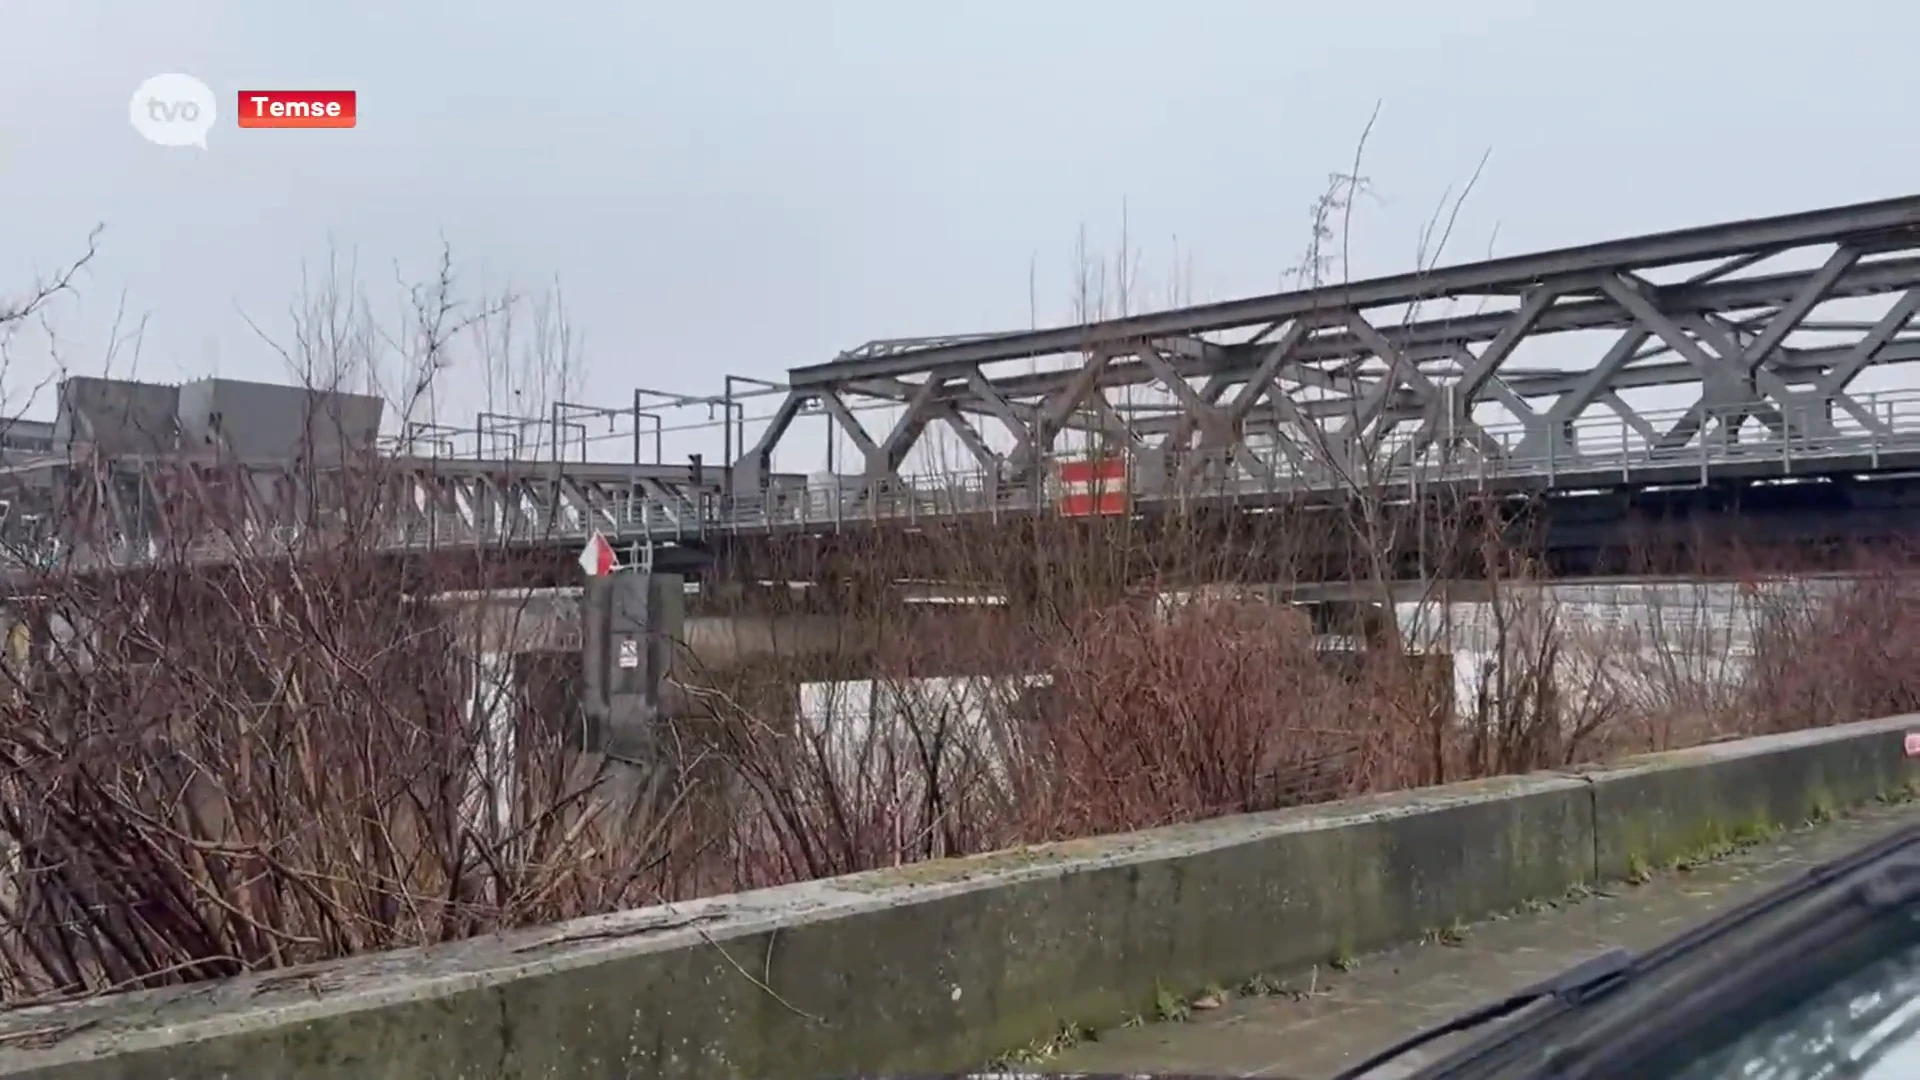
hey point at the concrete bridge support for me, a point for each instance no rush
(811, 645)
(503, 635)
(523, 652)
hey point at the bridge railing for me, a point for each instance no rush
(1590, 449)
(1595, 449)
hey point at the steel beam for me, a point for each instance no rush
(1343, 386)
(1436, 336)
(1734, 240)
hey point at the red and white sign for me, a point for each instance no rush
(298, 108)
(1093, 487)
(597, 557)
(1913, 744)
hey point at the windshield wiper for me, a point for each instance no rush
(1605, 972)
(1572, 986)
(1818, 944)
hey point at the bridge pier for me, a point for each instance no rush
(499, 634)
(818, 644)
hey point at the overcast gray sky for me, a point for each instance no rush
(747, 187)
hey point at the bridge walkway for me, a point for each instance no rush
(1311, 1026)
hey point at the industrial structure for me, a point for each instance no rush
(1716, 360)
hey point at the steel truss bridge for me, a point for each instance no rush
(1758, 333)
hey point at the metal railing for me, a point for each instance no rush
(1596, 450)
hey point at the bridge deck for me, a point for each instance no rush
(1307, 1036)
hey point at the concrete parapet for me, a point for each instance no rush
(1657, 808)
(946, 964)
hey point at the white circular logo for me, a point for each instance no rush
(173, 110)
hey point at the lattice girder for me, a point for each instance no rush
(131, 509)
(504, 502)
(1335, 386)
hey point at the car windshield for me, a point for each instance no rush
(1865, 1026)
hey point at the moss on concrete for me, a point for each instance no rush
(1656, 810)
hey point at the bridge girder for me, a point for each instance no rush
(124, 509)
(1343, 383)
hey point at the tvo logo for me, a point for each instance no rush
(173, 110)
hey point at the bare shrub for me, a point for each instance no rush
(876, 773)
(1831, 655)
(1538, 699)
(1677, 659)
(1199, 711)
(241, 742)
(208, 771)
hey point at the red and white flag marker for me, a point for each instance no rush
(1913, 744)
(597, 557)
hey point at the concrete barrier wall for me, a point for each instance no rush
(946, 964)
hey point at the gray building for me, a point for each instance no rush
(248, 421)
(123, 424)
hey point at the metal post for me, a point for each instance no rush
(659, 431)
(636, 426)
(1786, 442)
(1705, 427)
(514, 426)
(726, 436)
(732, 411)
(1873, 431)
